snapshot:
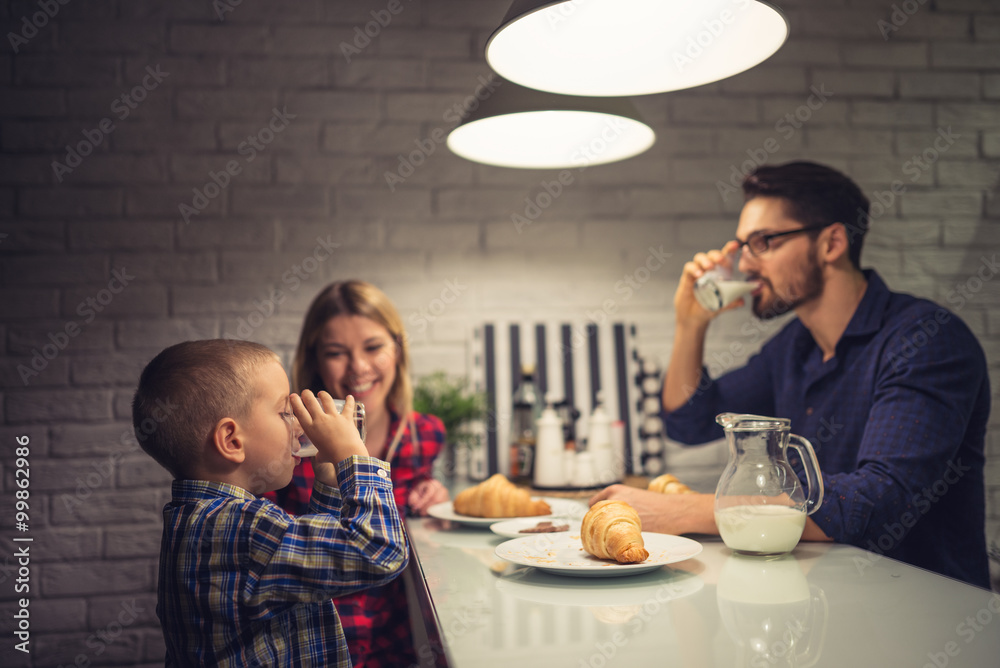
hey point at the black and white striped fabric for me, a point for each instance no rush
(573, 361)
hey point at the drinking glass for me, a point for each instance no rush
(307, 449)
(717, 287)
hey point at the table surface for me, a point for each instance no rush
(822, 605)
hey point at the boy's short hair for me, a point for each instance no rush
(205, 381)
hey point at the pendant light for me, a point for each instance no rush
(529, 129)
(632, 47)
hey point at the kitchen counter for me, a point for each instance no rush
(822, 605)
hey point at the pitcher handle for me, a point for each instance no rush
(813, 476)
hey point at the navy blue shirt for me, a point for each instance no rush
(897, 418)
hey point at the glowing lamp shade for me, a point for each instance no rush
(632, 47)
(517, 127)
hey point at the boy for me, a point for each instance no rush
(241, 582)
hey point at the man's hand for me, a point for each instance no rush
(425, 494)
(666, 513)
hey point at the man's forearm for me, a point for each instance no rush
(813, 532)
(684, 372)
(699, 514)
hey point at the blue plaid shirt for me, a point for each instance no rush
(897, 418)
(242, 583)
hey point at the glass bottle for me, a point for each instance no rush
(526, 410)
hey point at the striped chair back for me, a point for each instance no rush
(573, 362)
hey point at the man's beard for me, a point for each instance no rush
(807, 288)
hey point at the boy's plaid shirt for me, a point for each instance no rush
(242, 583)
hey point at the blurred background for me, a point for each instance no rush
(181, 169)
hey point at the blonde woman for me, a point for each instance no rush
(353, 342)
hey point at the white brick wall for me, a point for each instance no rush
(96, 499)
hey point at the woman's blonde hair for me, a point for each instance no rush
(353, 298)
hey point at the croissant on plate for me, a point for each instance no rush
(498, 497)
(669, 484)
(612, 530)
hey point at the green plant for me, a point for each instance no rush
(451, 400)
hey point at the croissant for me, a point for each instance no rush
(669, 484)
(612, 530)
(498, 497)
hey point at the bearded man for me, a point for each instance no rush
(891, 389)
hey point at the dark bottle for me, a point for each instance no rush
(526, 408)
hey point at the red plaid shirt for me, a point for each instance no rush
(382, 608)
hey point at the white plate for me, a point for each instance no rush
(512, 528)
(561, 507)
(563, 554)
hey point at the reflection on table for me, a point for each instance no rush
(822, 605)
(771, 612)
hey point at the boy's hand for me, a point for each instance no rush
(334, 434)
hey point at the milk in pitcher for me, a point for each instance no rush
(763, 529)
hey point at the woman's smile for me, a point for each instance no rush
(357, 356)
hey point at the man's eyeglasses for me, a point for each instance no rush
(759, 243)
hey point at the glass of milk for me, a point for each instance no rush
(305, 446)
(718, 288)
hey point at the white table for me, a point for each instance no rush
(823, 605)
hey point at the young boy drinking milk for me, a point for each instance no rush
(241, 582)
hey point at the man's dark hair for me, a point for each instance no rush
(815, 195)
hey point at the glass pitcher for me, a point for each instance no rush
(760, 505)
